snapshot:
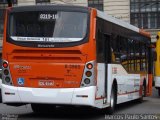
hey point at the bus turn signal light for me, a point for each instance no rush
(6, 72)
(88, 73)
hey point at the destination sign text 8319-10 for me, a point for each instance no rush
(48, 16)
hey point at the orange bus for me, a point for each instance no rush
(71, 55)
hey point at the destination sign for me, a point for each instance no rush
(47, 16)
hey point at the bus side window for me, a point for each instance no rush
(113, 59)
(115, 48)
(107, 48)
(100, 47)
(123, 52)
(137, 56)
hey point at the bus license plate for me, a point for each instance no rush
(45, 83)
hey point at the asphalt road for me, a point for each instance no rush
(150, 105)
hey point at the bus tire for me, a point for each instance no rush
(140, 100)
(113, 100)
(42, 108)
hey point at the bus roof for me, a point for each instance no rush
(121, 23)
(49, 7)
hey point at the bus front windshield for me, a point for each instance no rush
(55, 26)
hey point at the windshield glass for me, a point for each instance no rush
(55, 26)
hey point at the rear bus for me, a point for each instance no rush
(70, 55)
(49, 56)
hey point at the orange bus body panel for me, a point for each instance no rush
(63, 67)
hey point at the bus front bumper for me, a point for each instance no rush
(64, 96)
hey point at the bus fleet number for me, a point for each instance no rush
(48, 16)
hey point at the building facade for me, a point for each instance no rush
(3, 5)
(144, 14)
(118, 8)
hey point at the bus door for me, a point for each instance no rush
(107, 54)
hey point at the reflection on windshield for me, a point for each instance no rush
(48, 26)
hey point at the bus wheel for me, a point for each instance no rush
(140, 100)
(42, 108)
(113, 100)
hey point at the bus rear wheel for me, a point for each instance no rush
(113, 100)
(42, 108)
(140, 100)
